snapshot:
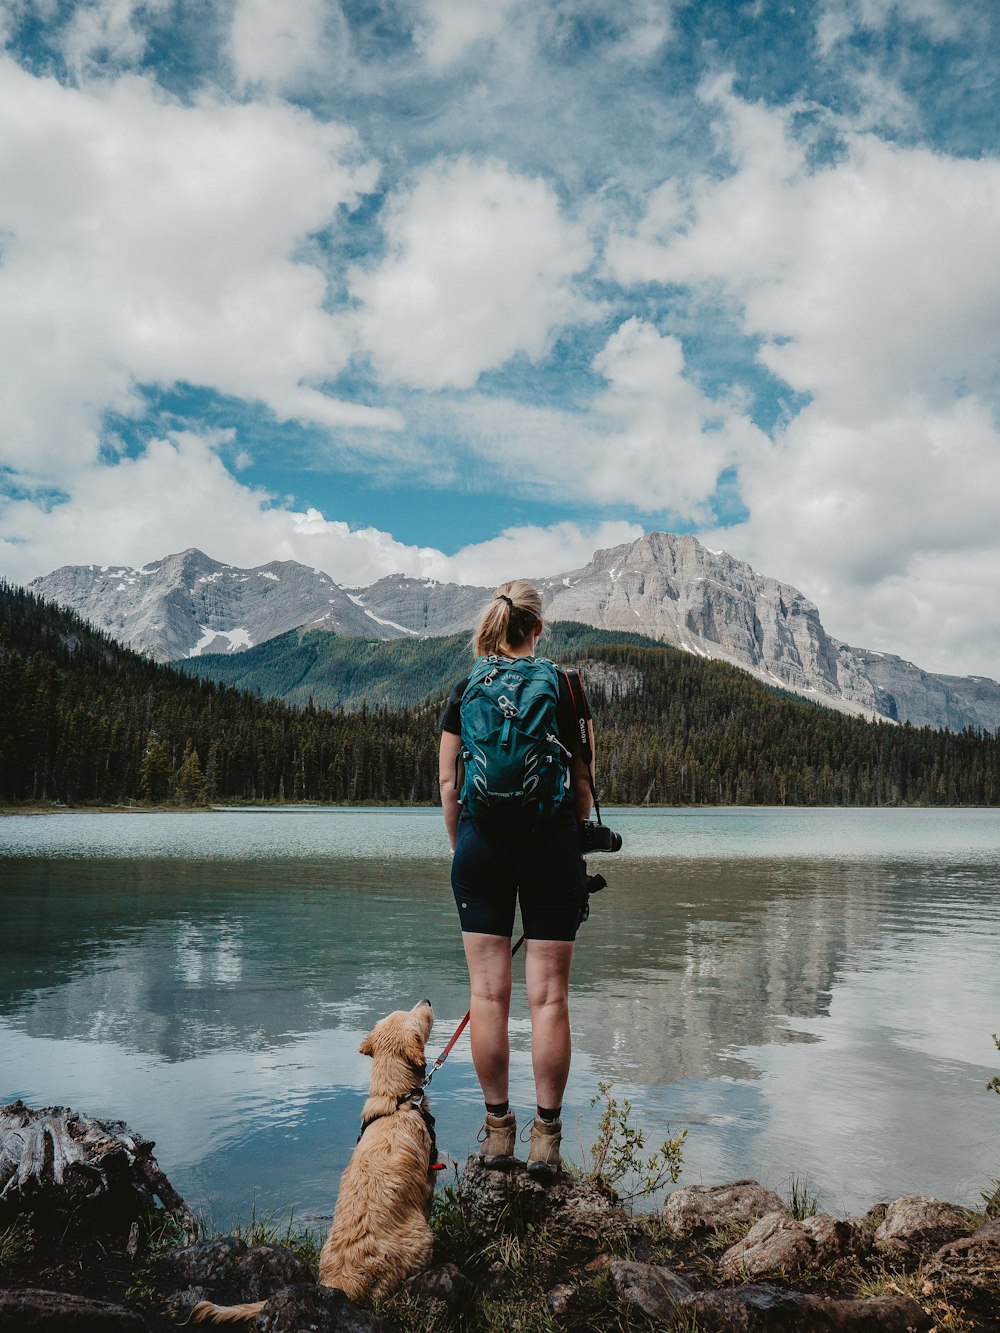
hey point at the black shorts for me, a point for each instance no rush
(493, 866)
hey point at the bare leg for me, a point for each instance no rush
(488, 957)
(546, 974)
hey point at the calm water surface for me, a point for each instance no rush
(811, 993)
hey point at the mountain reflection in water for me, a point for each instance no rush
(818, 1013)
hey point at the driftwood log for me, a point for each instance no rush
(56, 1159)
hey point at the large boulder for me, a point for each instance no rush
(209, 1264)
(970, 1264)
(657, 1291)
(915, 1225)
(446, 1284)
(265, 1269)
(779, 1243)
(316, 1309)
(765, 1309)
(717, 1207)
(578, 1215)
(31, 1310)
(225, 1271)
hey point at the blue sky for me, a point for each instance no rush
(470, 288)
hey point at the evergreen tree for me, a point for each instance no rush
(189, 788)
(156, 773)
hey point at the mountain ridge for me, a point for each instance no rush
(669, 587)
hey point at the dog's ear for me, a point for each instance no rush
(367, 1047)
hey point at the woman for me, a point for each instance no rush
(496, 862)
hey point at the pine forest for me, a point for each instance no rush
(84, 720)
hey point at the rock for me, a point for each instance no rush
(265, 1269)
(179, 1304)
(970, 1263)
(560, 1299)
(31, 1309)
(307, 1308)
(764, 1309)
(446, 1283)
(207, 1264)
(751, 1308)
(881, 1314)
(712, 1207)
(779, 1243)
(657, 1291)
(499, 1279)
(600, 1263)
(915, 1225)
(577, 1214)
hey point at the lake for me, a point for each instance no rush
(810, 992)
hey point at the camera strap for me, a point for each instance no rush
(582, 713)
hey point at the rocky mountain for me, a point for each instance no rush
(188, 604)
(675, 589)
(669, 587)
(424, 606)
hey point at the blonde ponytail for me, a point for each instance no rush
(508, 620)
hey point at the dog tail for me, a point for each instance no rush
(207, 1313)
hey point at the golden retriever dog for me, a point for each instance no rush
(380, 1234)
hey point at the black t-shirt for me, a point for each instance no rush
(565, 712)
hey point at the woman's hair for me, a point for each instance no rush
(510, 618)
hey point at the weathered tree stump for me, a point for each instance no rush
(56, 1159)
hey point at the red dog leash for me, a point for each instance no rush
(457, 1033)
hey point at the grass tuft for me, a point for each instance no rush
(17, 1244)
(272, 1229)
(890, 1281)
(801, 1203)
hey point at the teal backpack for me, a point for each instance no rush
(516, 768)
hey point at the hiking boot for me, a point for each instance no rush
(543, 1156)
(497, 1137)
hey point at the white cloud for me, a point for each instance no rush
(106, 32)
(446, 29)
(868, 279)
(518, 31)
(891, 526)
(872, 284)
(479, 269)
(882, 102)
(651, 439)
(286, 46)
(179, 494)
(147, 241)
(534, 552)
(839, 20)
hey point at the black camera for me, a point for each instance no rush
(598, 838)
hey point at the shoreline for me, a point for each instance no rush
(35, 809)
